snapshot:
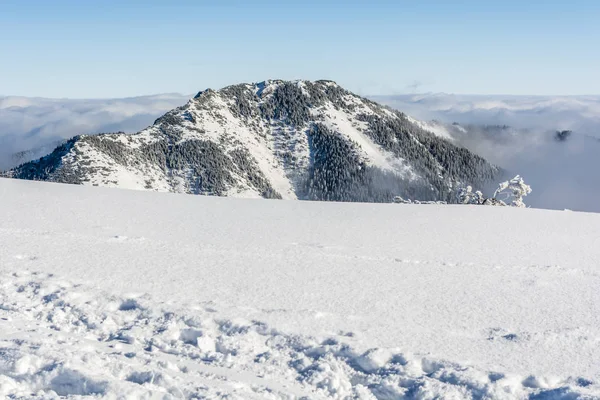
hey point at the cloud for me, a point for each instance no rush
(563, 174)
(38, 124)
(578, 113)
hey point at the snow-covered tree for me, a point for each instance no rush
(466, 195)
(515, 188)
(401, 200)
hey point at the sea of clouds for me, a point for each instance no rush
(37, 125)
(564, 174)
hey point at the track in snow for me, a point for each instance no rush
(209, 297)
(64, 339)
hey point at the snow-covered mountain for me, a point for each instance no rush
(275, 139)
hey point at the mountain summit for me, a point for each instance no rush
(274, 139)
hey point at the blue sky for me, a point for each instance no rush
(115, 48)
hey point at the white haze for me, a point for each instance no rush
(577, 113)
(38, 124)
(562, 174)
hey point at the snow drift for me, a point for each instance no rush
(107, 292)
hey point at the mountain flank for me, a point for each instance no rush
(275, 139)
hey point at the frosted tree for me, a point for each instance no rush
(515, 188)
(466, 195)
(401, 200)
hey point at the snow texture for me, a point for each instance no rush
(111, 293)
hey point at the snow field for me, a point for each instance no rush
(68, 339)
(125, 294)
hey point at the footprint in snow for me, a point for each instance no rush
(122, 239)
(315, 245)
(449, 264)
(23, 257)
(406, 261)
(503, 335)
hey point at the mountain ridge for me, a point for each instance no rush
(273, 139)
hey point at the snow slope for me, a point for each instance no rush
(110, 292)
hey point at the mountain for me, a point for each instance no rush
(275, 139)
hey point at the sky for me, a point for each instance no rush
(121, 48)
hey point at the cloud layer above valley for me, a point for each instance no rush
(563, 174)
(578, 113)
(38, 124)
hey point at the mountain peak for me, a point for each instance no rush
(270, 85)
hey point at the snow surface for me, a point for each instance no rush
(434, 127)
(340, 121)
(107, 292)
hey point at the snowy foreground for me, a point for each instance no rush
(124, 294)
